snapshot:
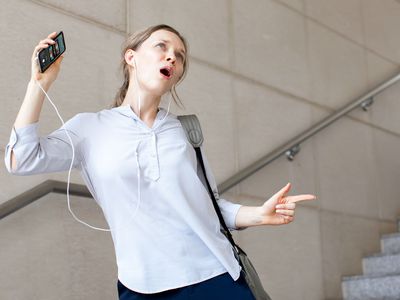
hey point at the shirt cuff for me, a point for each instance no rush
(230, 211)
(22, 135)
(235, 214)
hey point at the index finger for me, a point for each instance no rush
(298, 198)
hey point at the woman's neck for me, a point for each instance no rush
(148, 107)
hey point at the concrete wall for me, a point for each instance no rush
(260, 73)
(46, 254)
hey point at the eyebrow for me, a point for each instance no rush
(166, 41)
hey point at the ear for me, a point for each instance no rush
(129, 57)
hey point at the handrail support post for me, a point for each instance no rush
(367, 103)
(291, 153)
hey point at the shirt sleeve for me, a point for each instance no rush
(228, 209)
(52, 153)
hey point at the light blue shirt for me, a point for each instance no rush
(150, 188)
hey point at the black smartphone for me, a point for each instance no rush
(50, 54)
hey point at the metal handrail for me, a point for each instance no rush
(39, 191)
(292, 147)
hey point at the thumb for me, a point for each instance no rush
(275, 198)
(285, 189)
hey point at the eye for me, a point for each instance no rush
(181, 57)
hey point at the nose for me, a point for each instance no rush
(171, 58)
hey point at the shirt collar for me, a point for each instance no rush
(126, 110)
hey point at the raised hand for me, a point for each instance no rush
(51, 73)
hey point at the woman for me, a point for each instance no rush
(143, 173)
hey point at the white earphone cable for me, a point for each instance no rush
(140, 100)
(70, 168)
(73, 158)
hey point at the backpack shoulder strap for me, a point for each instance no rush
(191, 125)
(192, 128)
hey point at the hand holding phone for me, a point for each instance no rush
(47, 57)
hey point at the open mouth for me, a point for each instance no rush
(166, 72)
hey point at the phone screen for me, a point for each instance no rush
(49, 55)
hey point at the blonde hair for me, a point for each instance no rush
(133, 42)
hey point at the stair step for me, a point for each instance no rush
(390, 243)
(371, 287)
(382, 264)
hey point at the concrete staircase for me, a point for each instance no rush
(381, 279)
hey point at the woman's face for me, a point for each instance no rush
(163, 49)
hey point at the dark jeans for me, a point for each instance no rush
(219, 288)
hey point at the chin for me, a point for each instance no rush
(158, 89)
